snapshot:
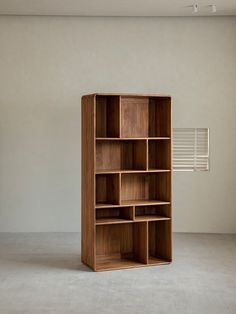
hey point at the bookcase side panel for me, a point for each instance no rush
(88, 181)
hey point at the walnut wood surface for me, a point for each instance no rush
(126, 180)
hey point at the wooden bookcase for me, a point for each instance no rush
(126, 180)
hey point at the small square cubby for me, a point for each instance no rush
(145, 116)
(159, 242)
(121, 155)
(145, 188)
(159, 154)
(153, 212)
(107, 189)
(107, 116)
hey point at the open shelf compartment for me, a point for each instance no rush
(159, 242)
(121, 155)
(107, 116)
(107, 189)
(153, 212)
(159, 154)
(114, 215)
(145, 116)
(121, 246)
(145, 188)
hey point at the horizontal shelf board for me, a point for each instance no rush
(133, 203)
(128, 95)
(151, 217)
(158, 170)
(104, 171)
(116, 263)
(131, 138)
(105, 205)
(144, 202)
(111, 221)
(159, 138)
(152, 260)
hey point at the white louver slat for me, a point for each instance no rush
(191, 149)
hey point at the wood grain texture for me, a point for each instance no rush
(134, 116)
(141, 186)
(115, 239)
(107, 189)
(121, 155)
(88, 182)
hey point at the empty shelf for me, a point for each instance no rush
(116, 263)
(157, 261)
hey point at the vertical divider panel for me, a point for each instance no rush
(93, 224)
(119, 192)
(133, 213)
(119, 116)
(148, 242)
(130, 212)
(147, 154)
(171, 174)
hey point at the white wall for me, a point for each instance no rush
(47, 63)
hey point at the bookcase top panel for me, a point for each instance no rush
(128, 95)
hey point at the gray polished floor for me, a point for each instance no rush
(42, 273)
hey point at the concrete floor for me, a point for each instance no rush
(42, 273)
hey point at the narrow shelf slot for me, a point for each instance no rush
(114, 215)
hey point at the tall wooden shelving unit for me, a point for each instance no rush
(126, 180)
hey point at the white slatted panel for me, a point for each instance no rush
(191, 149)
